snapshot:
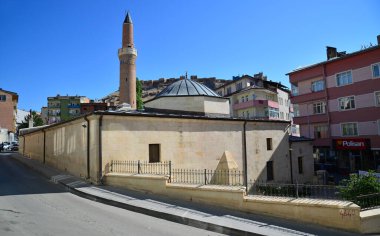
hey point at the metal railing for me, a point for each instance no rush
(294, 190)
(140, 167)
(186, 176)
(368, 201)
(208, 177)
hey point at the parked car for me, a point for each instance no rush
(14, 147)
(6, 146)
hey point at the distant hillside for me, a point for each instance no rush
(152, 87)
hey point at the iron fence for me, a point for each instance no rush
(205, 177)
(294, 190)
(140, 167)
(368, 201)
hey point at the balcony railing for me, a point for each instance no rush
(127, 51)
(73, 106)
(255, 103)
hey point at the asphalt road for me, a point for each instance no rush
(32, 205)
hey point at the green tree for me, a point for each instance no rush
(37, 121)
(139, 101)
(359, 185)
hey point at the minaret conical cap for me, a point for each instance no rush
(128, 18)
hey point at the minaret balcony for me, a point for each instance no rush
(124, 51)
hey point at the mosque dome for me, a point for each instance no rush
(186, 87)
(187, 97)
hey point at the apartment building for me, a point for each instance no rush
(337, 103)
(8, 112)
(254, 97)
(86, 108)
(61, 108)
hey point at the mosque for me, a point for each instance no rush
(187, 124)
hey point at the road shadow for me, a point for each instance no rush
(18, 179)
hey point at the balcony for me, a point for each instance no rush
(312, 96)
(73, 106)
(123, 51)
(54, 105)
(255, 103)
(321, 118)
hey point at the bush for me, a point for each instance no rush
(359, 185)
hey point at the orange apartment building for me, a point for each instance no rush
(337, 103)
(8, 110)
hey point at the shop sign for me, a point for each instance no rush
(351, 144)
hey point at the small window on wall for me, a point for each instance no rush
(154, 153)
(3, 98)
(300, 165)
(376, 70)
(269, 144)
(270, 170)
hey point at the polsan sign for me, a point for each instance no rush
(351, 144)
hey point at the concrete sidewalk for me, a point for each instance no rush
(193, 214)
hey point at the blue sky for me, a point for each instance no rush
(50, 47)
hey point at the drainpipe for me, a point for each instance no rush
(327, 97)
(88, 146)
(290, 160)
(23, 145)
(245, 156)
(44, 152)
(100, 147)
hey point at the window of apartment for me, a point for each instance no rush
(242, 99)
(239, 86)
(349, 129)
(272, 112)
(317, 86)
(321, 131)
(287, 116)
(347, 103)
(294, 89)
(253, 96)
(228, 90)
(220, 93)
(247, 114)
(154, 153)
(300, 165)
(376, 70)
(319, 108)
(3, 98)
(280, 101)
(343, 78)
(269, 144)
(270, 170)
(296, 110)
(281, 115)
(246, 98)
(286, 102)
(377, 98)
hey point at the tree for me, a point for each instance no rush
(139, 101)
(37, 121)
(359, 185)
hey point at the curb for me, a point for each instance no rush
(157, 214)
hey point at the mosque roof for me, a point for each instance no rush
(187, 87)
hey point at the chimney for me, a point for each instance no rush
(331, 52)
(378, 39)
(31, 119)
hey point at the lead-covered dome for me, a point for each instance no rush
(186, 87)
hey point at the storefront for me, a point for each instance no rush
(354, 154)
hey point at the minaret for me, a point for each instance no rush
(127, 57)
